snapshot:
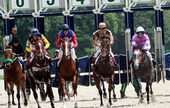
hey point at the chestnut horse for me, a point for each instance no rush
(39, 73)
(67, 71)
(104, 70)
(143, 70)
(14, 75)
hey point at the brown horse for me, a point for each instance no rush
(143, 70)
(39, 74)
(104, 69)
(14, 75)
(67, 71)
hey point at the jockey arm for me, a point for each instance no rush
(111, 38)
(46, 42)
(134, 44)
(74, 40)
(28, 46)
(95, 40)
(58, 41)
(147, 45)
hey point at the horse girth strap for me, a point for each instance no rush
(4, 60)
(36, 69)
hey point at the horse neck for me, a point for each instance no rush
(40, 61)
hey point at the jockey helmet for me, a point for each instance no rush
(35, 32)
(140, 29)
(66, 27)
(102, 25)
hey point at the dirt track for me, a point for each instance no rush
(88, 98)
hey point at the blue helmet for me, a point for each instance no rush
(66, 27)
(35, 32)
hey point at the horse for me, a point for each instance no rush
(104, 70)
(67, 72)
(14, 75)
(39, 74)
(143, 70)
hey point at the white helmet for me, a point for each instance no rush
(140, 29)
(102, 25)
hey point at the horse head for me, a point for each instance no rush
(66, 45)
(8, 54)
(40, 50)
(138, 58)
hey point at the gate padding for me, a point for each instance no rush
(84, 70)
(167, 65)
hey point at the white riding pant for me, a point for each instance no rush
(60, 55)
(149, 55)
(97, 53)
(98, 50)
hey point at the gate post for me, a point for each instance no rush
(129, 31)
(39, 23)
(99, 17)
(159, 43)
(69, 19)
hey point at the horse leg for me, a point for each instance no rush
(34, 92)
(114, 94)
(50, 93)
(74, 84)
(97, 81)
(151, 92)
(9, 93)
(122, 90)
(18, 96)
(140, 92)
(110, 87)
(63, 83)
(147, 91)
(12, 91)
(104, 89)
(24, 93)
(60, 93)
(42, 91)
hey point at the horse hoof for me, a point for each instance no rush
(76, 105)
(114, 100)
(25, 103)
(141, 101)
(105, 96)
(13, 103)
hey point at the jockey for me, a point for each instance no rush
(97, 38)
(67, 32)
(16, 47)
(141, 40)
(34, 36)
(9, 38)
(11, 41)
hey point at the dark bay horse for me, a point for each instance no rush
(104, 70)
(14, 75)
(67, 72)
(143, 70)
(39, 74)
